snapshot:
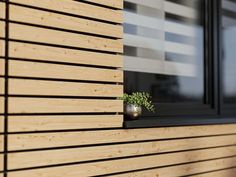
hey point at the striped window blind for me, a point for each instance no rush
(163, 37)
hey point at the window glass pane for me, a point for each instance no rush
(164, 42)
(229, 50)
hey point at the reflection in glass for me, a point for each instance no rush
(164, 49)
(229, 51)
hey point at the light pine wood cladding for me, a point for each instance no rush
(2, 105)
(1, 124)
(188, 169)
(221, 173)
(50, 36)
(59, 88)
(1, 143)
(2, 86)
(49, 19)
(1, 162)
(76, 8)
(56, 54)
(2, 10)
(122, 165)
(50, 140)
(55, 105)
(52, 157)
(111, 3)
(2, 29)
(2, 67)
(63, 122)
(58, 71)
(2, 48)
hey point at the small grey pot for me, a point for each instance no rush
(132, 111)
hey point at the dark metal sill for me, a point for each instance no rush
(169, 122)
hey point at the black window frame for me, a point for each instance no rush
(215, 112)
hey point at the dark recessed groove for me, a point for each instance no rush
(63, 97)
(100, 5)
(64, 80)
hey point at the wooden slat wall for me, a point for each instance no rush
(64, 118)
(2, 82)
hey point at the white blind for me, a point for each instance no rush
(162, 37)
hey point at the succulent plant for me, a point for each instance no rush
(139, 99)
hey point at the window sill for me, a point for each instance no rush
(166, 122)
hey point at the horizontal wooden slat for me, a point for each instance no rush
(222, 173)
(2, 67)
(36, 87)
(187, 169)
(49, 36)
(46, 53)
(47, 105)
(1, 143)
(1, 162)
(1, 105)
(2, 10)
(58, 71)
(2, 29)
(110, 3)
(42, 158)
(114, 166)
(1, 124)
(39, 17)
(76, 8)
(67, 122)
(2, 48)
(44, 140)
(2, 86)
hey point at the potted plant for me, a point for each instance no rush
(135, 102)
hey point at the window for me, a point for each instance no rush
(229, 54)
(183, 53)
(164, 54)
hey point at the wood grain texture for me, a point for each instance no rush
(56, 105)
(2, 67)
(1, 143)
(52, 157)
(58, 71)
(49, 19)
(221, 173)
(56, 88)
(1, 162)
(1, 124)
(45, 140)
(1, 104)
(76, 8)
(122, 165)
(2, 86)
(2, 29)
(50, 36)
(65, 122)
(111, 3)
(2, 48)
(64, 55)
(2, 10)
(183, 170)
